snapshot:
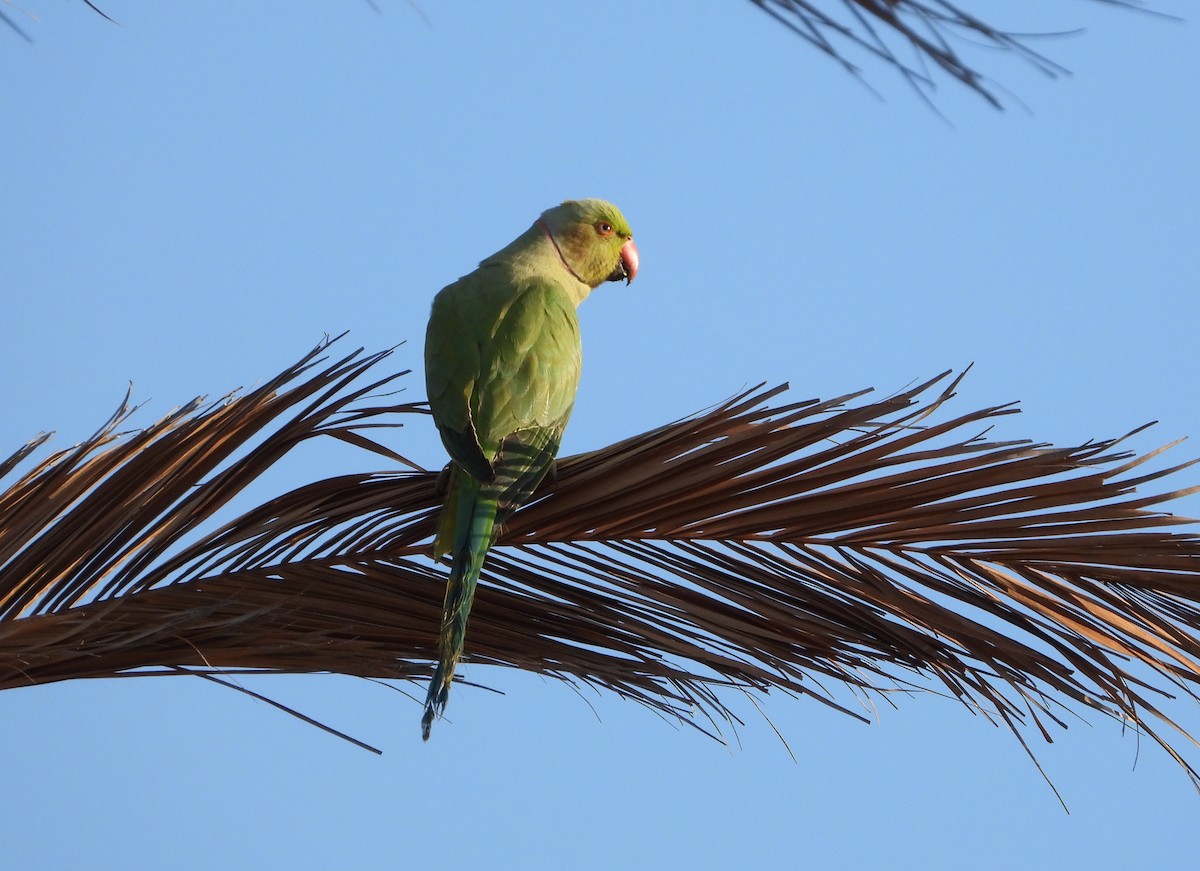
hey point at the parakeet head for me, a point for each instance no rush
(594, 240)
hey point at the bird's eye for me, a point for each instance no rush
(604, 228)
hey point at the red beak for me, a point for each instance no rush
(629, 260)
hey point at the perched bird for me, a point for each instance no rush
(502, 363)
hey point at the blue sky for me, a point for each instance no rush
(194, 196)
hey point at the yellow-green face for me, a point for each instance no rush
(596, 238)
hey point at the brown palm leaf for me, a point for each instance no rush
(915, 37)
(757, 546)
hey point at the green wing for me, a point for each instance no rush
(502, 363)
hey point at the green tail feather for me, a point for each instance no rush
(476, 518)
(479, 507)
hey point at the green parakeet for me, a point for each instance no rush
(502, 362)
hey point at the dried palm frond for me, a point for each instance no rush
(927, 29)
(757, 546)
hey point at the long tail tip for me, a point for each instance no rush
(435, 699)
